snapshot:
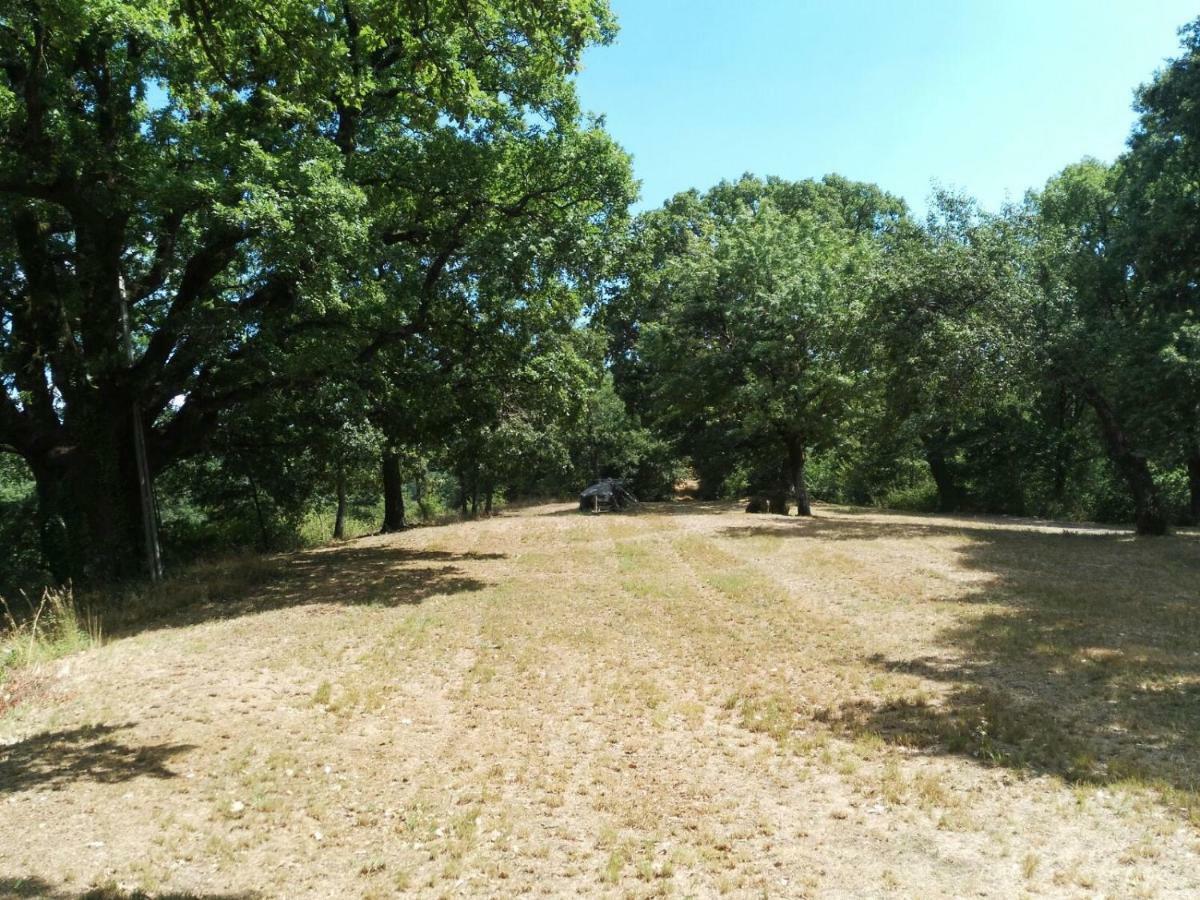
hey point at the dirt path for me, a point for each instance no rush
(687, 701)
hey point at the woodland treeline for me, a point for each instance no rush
(370, 258)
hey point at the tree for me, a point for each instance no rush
(254, 184)
(761, 298)
(940, 342)
(1160, 211)
(1088, 326)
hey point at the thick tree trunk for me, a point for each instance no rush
(949, 495)
(89, 515)
(393, 495)
(488, 494)
(797, 459)
(339, 520)
(1193, 467)
(1150, 518)
(56, 539)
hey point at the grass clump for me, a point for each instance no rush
(611, 873)
(53, 627)
(774, 715)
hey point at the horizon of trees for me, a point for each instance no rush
(363, 256)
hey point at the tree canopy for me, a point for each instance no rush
(270, 196)
(319, 253)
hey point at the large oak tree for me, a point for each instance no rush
(273, 191)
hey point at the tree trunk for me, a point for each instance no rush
(339, 520)
(489, 491)
(264, 535)
(422, 496)
(1193, 467)
(1064, 450)
(57, 540)
(475, 493)
(89, 513)
(393, 495)
(949, 495)
(777, 503)
(797, 459)
(1060, 471)
(1150, 518)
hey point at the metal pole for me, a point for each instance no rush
(145, 484)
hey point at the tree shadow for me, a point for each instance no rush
(855, 526)
(375, 575)
(827, 530)
(685, 508)
(1078, 654)
(30, 887)
(345, 575)
(655, 508)
(56, 759)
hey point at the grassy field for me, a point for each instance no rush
(687, 701)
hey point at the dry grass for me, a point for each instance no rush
(687, 701)
(45, 631)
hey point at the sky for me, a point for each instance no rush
(991, 97)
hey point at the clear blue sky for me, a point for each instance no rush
(989, 96)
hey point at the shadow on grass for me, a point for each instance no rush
(15, 888)
(347, 575)
(655, 508)
(855, 526)
(55, 760)
(377, 575)
(1078, 655)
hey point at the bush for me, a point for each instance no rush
(21, 564)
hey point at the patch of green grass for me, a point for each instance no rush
(323, 695)
(54, 627)
(352, 697)
(616, 862)
(773, 715)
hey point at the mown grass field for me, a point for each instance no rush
(688, 701)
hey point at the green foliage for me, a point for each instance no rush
(999, 357)
(281, 196)
(374, 237)
(610, 442)
(21, 565)
(1160, 241)
(747, 320)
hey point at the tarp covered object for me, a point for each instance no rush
(606, 493)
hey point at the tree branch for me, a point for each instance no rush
(205, 265)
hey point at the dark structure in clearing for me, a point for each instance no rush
(607, 493)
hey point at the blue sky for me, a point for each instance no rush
(988, 96)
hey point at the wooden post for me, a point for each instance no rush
(145, 484)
